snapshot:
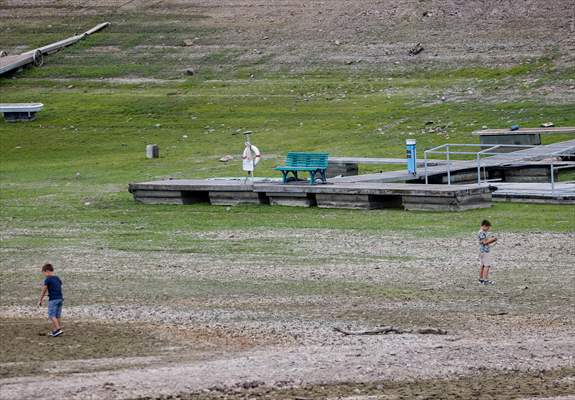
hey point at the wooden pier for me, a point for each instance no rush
(521, 136)
(349, 166)
(541, 193)
(396, 189)
(348, 195)
(465, 171)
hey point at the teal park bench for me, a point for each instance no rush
(313, 163)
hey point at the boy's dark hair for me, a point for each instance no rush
(47, 267)
(485, 223)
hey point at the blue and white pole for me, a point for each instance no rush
(411, 153)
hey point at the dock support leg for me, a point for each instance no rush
(426, 179)
(552, 180)
(478, 169)
(448, 166)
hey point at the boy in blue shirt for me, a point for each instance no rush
(52, 285)
(485, 242)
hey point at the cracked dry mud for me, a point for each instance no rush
(212, 323)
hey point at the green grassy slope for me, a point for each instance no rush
(70, 168)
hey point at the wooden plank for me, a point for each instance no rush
(205, 185)
(159, 200)
(430, 200)
(287, 194)
(344, 201)
(373, 189)
(234, 198)
(291, 201)
(379, 161)
(458, 200)
(443, 207)
(157, 193)
(524, 131)
(341, 169)
(510, 198)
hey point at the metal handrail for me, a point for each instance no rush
(489, 150)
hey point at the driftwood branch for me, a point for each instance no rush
(385, 330)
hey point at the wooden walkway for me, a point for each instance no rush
(14, 62)
(563, 193)
(499, 160)
(378, 161)
(524, 131)
(10, 63)
(344, 195)
(383, 190)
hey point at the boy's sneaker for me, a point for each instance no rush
(488, 283)
(56, 333)
(482, 281)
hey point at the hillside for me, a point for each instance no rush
(248, 36)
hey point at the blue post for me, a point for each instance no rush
(411, 153)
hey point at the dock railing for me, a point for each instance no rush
(490, 150)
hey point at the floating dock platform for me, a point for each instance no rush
(395, 189)
(539, 193)
(365, 195)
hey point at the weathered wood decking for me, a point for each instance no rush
(562, 193)
(396, 189)
(524, 131)
(378, 161)
(437, 173)
(378, 195)
(521, 136)
(349, 166)
(349, 195)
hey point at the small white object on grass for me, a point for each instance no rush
(152, 151)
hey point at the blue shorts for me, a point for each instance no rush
(55, 308)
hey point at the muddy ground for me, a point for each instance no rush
(248, 324)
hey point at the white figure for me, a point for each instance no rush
(250, 158)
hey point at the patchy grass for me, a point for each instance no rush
(69, 169)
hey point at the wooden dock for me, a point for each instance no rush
(525, 131)
(521, 136)
(465, 171)
(191, 191)
(378, 161)
(396, 189)
(542, 193)
(348, 195)
(349, 166)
